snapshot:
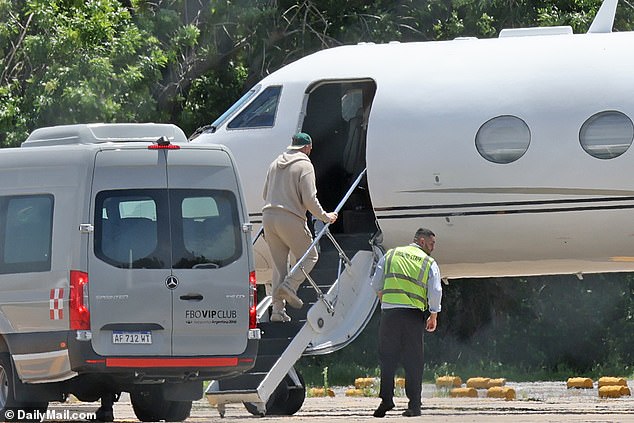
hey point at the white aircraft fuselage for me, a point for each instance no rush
(540, 203)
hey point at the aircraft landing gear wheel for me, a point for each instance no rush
(286, 400)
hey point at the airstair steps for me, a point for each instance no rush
(282, 344)
(275, 338)
(326, 270)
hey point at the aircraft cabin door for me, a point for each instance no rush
(336, 117)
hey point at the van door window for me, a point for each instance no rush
(128, 231)
(261, 111)
(26, 227)
(209, 228)
(157, 228)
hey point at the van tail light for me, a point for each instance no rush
(253, 302)
(79, 313)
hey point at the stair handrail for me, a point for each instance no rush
(327, 225)
(258, 235)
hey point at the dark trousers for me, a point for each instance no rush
(401, 333)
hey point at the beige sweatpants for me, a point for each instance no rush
(287, 233)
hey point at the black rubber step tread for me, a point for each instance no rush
(348, 242)
(273, 330)
(296, 315)
(242, 382)
(273, 346)
(264, 363)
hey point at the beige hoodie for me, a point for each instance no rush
(290, 185)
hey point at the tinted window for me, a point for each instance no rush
(503, 139)
(210, 228)
(261, 111)
(606, 135)
(159, 228)
(26, 233)
(128, 230)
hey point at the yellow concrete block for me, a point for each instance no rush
(364, 382)
(610, 391)
(448, 382)
(496, 382)
(463, 392)
(501, 392)
(354, 392)
(612, 381)
(579, 383)
(321, 392)
(399, 382)
(478, 382)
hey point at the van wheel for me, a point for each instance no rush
(149, 406)
(286, 400)
(8, 405)
(6, 387)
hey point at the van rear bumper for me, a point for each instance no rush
(44, 357)
(136, 369)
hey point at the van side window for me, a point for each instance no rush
(26, 227)
(210, 228)
(261, 111)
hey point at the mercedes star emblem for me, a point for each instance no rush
(171, 282)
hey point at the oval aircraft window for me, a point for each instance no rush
(606, 135)
(503, 139)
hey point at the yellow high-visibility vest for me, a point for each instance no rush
(406, 273)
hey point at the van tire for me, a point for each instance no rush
(149, 406)
(8, 405)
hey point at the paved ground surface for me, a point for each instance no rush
(536, 402)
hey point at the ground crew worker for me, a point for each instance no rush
(290, 191)
(407, 281)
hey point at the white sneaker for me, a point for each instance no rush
(280, 316)
(286, 293)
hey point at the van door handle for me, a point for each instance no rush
(192, 297)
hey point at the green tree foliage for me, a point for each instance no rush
(73, 61)
(186, 61)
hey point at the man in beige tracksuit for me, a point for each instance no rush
(289, 191)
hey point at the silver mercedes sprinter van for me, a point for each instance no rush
(125, 265)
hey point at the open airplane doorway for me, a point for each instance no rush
(336, 117)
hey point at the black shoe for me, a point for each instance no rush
(383, 408)
(411, 413)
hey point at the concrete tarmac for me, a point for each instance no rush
(535, 402)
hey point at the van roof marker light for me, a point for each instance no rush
(163, 143)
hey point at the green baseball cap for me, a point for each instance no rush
(300, 140)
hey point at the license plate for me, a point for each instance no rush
(141, 337)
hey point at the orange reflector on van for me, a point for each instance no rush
(172, 362)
